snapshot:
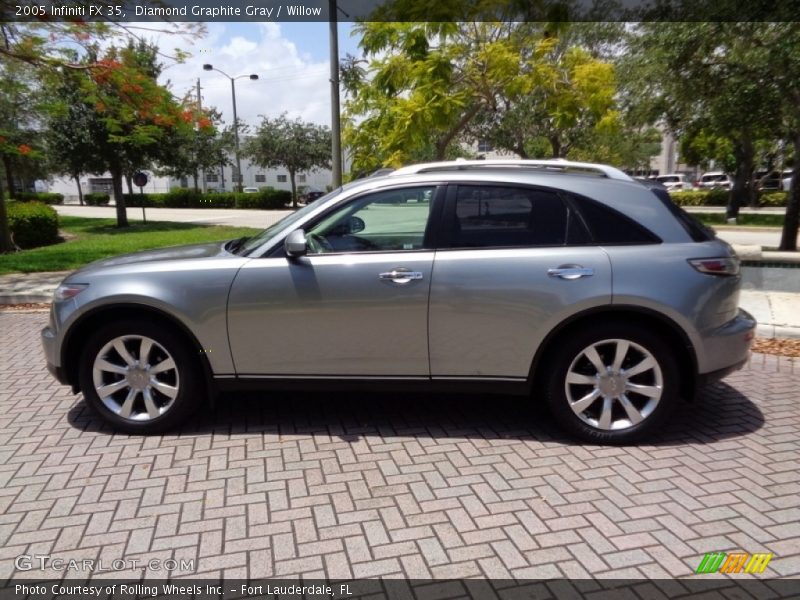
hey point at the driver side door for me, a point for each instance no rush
(355, 306)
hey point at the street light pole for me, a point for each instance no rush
(336, 132)
(253, 77)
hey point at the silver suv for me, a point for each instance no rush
(562, 282)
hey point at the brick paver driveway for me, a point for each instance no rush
(395, 486)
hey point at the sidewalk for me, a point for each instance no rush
(777, 313)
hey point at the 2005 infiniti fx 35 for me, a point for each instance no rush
(567, 283)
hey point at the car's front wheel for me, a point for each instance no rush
(614, 383)
(140, 377)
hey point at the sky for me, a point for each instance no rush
(291, 60)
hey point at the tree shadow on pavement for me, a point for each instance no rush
(720, 412)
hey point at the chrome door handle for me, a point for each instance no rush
(570, 272)
(400, 276)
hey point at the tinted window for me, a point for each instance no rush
(501, 216)
(608, 226)
(696, 230)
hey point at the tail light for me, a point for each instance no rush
(716, 266)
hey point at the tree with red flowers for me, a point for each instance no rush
(139, 116)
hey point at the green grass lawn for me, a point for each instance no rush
(762, 220)
(99, 238)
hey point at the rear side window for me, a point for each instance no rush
(506, 216)
(696, 230)
(609, 227)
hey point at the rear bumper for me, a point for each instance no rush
(727, 348)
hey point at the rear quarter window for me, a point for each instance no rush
(610, 227)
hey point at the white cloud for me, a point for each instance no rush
(289, 81)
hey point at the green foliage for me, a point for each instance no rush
(268, 198)
(720, 198)
(32, 224)
(97, 199)
(93, 239)
(44, 197)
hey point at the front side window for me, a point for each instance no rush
(505, 216)
(386, 221)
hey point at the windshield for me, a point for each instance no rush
(668, 178)
(255, 241)
(720, 177)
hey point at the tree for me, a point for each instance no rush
(708, 77)
(424, 84)
(71, 127)
(294, 145)
(204, 146)
(138, 114)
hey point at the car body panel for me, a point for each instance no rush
(187, 283)
(331, 315)
(491, 308)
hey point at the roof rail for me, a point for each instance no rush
(554, 165)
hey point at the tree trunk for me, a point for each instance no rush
(5, 233)
(792, 219)
(119, 199)
(9, 177)
(740, 193)
(129, 181)
(294, 189)
(77, 179)
(196, 183)
(555, 145)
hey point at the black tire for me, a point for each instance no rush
(569, 352)
(186, 374)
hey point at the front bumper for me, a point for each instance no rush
(51, 355)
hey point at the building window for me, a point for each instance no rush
(301, 178)
(281, 178)
(484, 146)
(261, 178)
(184, 182)
(212, 177)
(101, 186)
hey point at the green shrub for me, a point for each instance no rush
(45, 197)
(32, 224)
(97, 199)
(774, 199)
(270, 199)
(689, 198)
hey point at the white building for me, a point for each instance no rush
(221, 180)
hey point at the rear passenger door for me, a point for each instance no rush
(512, 262)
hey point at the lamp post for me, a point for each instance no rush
(253, 77)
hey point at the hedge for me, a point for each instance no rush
(96, 199)
(186, 198)
(45, 197)
(720, 198)
(32, 224)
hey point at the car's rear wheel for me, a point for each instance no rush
(614, 383)
(139, 377)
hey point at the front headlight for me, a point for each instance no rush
(68, 290)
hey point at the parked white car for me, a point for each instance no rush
(674, 182)
(715, 179)
(786, 180)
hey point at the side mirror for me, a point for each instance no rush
(295, 244)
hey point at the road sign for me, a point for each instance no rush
(140, 179)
